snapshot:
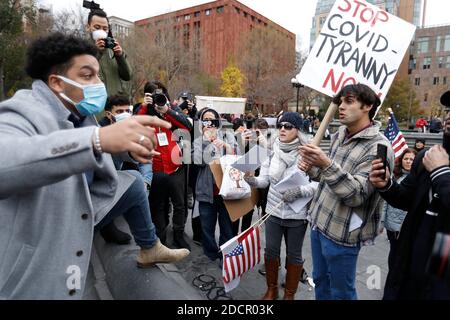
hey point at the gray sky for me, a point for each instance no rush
(294, 15)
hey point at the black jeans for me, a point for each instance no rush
(294, 234)
(165, 187)
(246, 223)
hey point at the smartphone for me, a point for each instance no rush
(382, 154)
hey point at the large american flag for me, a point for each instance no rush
(240, 254)
(395, 136)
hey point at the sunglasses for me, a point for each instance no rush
(210, 123)
(286, 125)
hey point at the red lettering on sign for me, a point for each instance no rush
(349, 6)
(380, 16)
(365, 14)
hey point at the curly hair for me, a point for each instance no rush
(116, 100)
(363, 94)
(54, 53)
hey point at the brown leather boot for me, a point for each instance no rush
(272, 266)
(292, 279)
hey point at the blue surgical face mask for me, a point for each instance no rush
(95, 96)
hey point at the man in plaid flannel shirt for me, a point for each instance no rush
(345, 211)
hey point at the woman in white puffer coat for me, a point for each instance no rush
(284, 221)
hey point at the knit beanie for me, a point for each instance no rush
(293, 118)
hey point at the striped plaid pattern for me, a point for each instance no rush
(345, 189)
(244, 256)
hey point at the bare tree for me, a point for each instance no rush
(71, 21)
(267, 59)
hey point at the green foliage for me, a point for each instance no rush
(15, 17)
(232, 81)
(402, 100)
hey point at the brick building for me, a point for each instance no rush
(430, 66)
(215, 30)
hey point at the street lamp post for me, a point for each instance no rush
(297, 85)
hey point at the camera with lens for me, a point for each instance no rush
(438, 264)
(110, 43)
(91, 5)
(159, 98)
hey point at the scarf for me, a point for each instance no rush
(285, 155)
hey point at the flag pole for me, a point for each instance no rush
(259, 222)
(264, 218)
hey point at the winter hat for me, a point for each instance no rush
(293, 118)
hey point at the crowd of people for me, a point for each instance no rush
(69, 176)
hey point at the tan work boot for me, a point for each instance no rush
(159, 253)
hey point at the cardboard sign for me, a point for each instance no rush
(359, 43)
(236, 208)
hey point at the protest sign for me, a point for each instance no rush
(359, 43)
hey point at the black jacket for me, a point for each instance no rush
(410, 278)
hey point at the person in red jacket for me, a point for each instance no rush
(169, 178)
(421, 124)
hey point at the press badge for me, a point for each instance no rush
(162, 139)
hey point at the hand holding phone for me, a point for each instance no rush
(382, 155)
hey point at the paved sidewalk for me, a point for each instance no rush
(177, 281)
(252, 285)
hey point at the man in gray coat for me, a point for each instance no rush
(57, 178)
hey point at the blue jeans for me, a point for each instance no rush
(209, 214)
(134, 207)
(334, 268)
(146, 171)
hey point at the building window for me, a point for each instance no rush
(413, 64)
(220, 9)
(427, 63)
(187, 17)
(425, 98)
(178, 19)
(447, 64)
(238, 11)
(245, 14)
(423, 45)
(417, 81)
(197, 14)
(208, 12)
(444, 80)
(440, 62)
(436, 81)
(438, 43)
(253, 19)
(447, 43)
(186, 36)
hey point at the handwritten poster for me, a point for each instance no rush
(359, 43)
